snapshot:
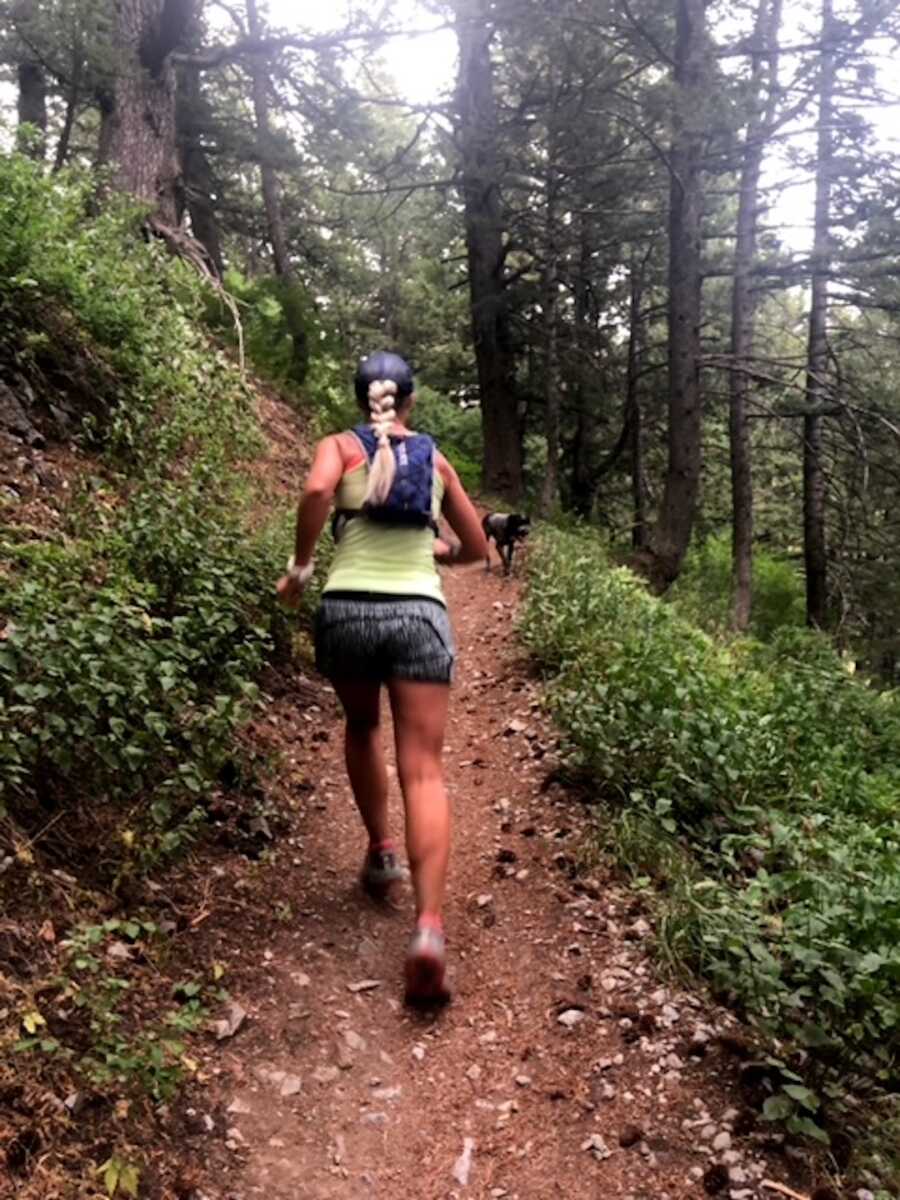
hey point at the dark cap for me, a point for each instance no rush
(383, 365)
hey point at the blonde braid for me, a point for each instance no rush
(383, 410)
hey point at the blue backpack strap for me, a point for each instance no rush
(366, 435)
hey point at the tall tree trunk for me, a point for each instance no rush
(33, 107)
(494, 354)
(199, 183)
(550, 484)
(32, 81)
(814, 542)
(73, 99)
(138, 134)
(685, 411)
(744, 304)
(271, 191)
(633, 415)
(583, 485)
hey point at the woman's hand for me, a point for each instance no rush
(290, 591)
(290, 587)
(445, 553)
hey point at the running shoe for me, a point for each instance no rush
(381, 872)
(426, 968)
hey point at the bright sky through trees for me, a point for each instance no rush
(423, 66)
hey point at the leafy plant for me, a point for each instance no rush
(757, 785)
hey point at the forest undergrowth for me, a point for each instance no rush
(136, 616)
(751, 788)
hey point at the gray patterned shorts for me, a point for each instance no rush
(363, 637)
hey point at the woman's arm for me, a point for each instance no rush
(312, 513)
(463, 520)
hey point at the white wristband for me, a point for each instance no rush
(301, 574)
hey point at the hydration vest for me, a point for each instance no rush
(410, 500)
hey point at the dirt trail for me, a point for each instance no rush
(333, 1090)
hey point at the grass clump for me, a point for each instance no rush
(758, 786)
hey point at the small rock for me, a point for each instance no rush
(231, 1022)
(76, 1102)
(737, 1176)
(238, 1107)
(290, 1085)
(463, 1165)
(596, 1145)
(354, 1041)
(387, 1093)
(722, 1141)
(708, 1132)
(418, 1053)
(343, 1056)
(523, 1081)
(474, 1072)
(364, 985)
(570, 1017)
(375, 1118)
(326, 1074)
(484, 900)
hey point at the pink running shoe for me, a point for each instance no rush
(426, 967)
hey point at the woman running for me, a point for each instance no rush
(383, 621)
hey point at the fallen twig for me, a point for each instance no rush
(785, 1191)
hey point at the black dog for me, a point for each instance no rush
(506, 529)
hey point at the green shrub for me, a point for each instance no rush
(456, 430)
(276, 318)
(133, 640)
(703, 590)
(771, 777)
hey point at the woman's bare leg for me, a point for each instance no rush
(364, 755)
(420, 717)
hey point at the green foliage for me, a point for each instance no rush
(456, 430)
(276, 317)
(703, 590)
(134, 639)
(758, 785)
(107, 1037)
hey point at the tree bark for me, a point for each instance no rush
(32, 82)
(633, 415)
(199, 183)
(73, 99)
(476, 116)
(33, 107)
(815, 550)
(685, 410)
(583, 485)
(549, 498)
(744, 304)
(138, 133)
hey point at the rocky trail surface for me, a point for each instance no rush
(565, 1067)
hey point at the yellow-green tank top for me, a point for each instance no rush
(392, 559)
